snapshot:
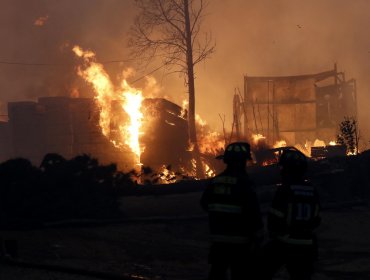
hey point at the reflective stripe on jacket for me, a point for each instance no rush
(294, 241)
(294, 214)
(233, 209)
(230, 239)
(224, 208)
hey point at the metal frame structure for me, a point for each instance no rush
(295, 108)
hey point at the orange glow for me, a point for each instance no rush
(199, 120)
(257, 137)
(190, 147)
(184, 108)
(132, 105)
(41, 21)
(167, 176)
(210, 142)
(268, 162)
(305, 149)
(194, 165)
(209, 172)
(95, 74)
(279, 144)
(74, 93)
(105, 92)
(319, 143)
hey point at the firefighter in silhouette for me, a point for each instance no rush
(235, 221)
(293, 216)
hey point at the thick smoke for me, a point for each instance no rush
(44, 31)
(257, 38)
(285, 37)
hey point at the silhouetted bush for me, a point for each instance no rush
(17, 178)
(59, 189)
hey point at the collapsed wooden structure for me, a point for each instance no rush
(70, 126)
(295, 108)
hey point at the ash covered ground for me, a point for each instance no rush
(177, 248)
(165, 236)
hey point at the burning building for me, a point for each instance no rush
(163, 135)
(166, 134)
(117, 124)
(70, 126)
(67, 126)
(295, 109)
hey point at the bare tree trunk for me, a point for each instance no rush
(191, 89)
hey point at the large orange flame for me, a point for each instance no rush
(280, 143)
(133, 99)
(257, 137)
(105, 92)
(209, 141)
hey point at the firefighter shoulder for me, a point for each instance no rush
(294, 214)
(295, 210)
(232, 206)
(233, 210)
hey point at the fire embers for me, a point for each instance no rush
(266, 155)
(40, 21)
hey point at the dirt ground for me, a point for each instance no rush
(176, 247)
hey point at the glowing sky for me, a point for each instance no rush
(258, 38)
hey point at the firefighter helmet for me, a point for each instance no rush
(293, 159)
(237, 151)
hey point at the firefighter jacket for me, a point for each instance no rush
(294, 214)
(232, 206)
